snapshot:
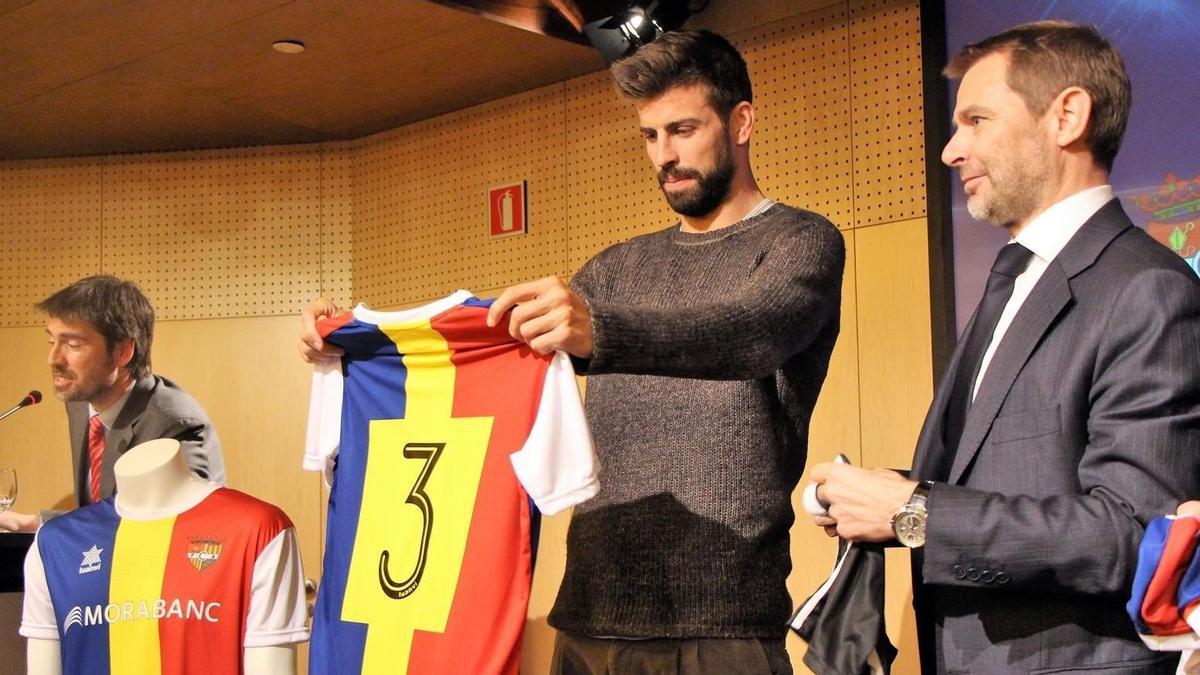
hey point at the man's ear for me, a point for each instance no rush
(122, 352)
(1071, 112)
(741, 122)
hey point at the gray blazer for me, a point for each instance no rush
(156, 408)
(1085, 425)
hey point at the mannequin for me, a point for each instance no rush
(153, 481)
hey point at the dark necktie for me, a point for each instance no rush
(1010, 262)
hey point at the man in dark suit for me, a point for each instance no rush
(100, 330)
(1070, 413)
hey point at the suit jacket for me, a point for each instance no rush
(1085, 425)
(156, 408)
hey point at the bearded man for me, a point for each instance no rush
(100, 331)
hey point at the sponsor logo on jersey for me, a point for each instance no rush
(202, 553)
(142, 610)
(91, 560)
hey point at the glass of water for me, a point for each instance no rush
(8, 488)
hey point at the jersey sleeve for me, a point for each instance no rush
(324, 419)
(277, 613)
(557, 464)
(37, 615)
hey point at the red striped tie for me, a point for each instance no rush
(95, 454)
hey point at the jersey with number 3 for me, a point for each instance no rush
(438, 436)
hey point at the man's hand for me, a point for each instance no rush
(861, 501)
(12, 521)
(312, 348)
(546, 315)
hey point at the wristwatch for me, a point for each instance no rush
(908, 524)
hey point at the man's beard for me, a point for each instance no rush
(1018, 183)
(709, 192)
(82, 390)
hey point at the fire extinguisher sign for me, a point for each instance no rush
(506, 207)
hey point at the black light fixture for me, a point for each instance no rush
(636, 25)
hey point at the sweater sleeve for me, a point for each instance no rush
(793, 295)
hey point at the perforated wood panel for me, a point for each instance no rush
(423, 201)
(216, 234)
(50, 213)
(613, 194)
(337, 222)
(889, 137)
(379, 163)
(801, 147)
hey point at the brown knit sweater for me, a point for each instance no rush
(710, 350)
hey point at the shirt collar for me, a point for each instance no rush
(109, 417)
(1049, 232)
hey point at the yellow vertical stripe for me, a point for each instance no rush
(139, 560)
(390, 519)
(429, 387)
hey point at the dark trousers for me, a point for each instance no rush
(574, 655)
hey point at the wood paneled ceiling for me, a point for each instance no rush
(81, 77)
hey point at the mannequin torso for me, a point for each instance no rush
(153, 482)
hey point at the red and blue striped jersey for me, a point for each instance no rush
(1166, 585)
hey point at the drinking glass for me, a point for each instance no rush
(8, 488)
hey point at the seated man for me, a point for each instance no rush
(100, 331)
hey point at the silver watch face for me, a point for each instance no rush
(910, 529)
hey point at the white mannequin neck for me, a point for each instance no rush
(153, 481)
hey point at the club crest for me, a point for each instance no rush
(202, 553)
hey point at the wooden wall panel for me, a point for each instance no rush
(50, 215)
(216, 234)
(801, 147)
(379, 165)
(895, 378)
(428, 233)
(889, 132)
(336, 222)
(895, 360)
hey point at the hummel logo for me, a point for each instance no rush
(74, 618)
(91, 560)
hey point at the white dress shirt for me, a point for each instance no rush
(1045, 236)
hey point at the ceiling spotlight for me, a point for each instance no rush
(288, 46)
(636, 25)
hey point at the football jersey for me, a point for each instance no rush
(174, 594)
(1166, 585)
(437, 433)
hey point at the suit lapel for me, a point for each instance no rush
(1037, 313)
(119, 439)
(1049, 298)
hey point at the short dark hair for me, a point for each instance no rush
(1046, 57)
(683, 58)
(117, 309)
